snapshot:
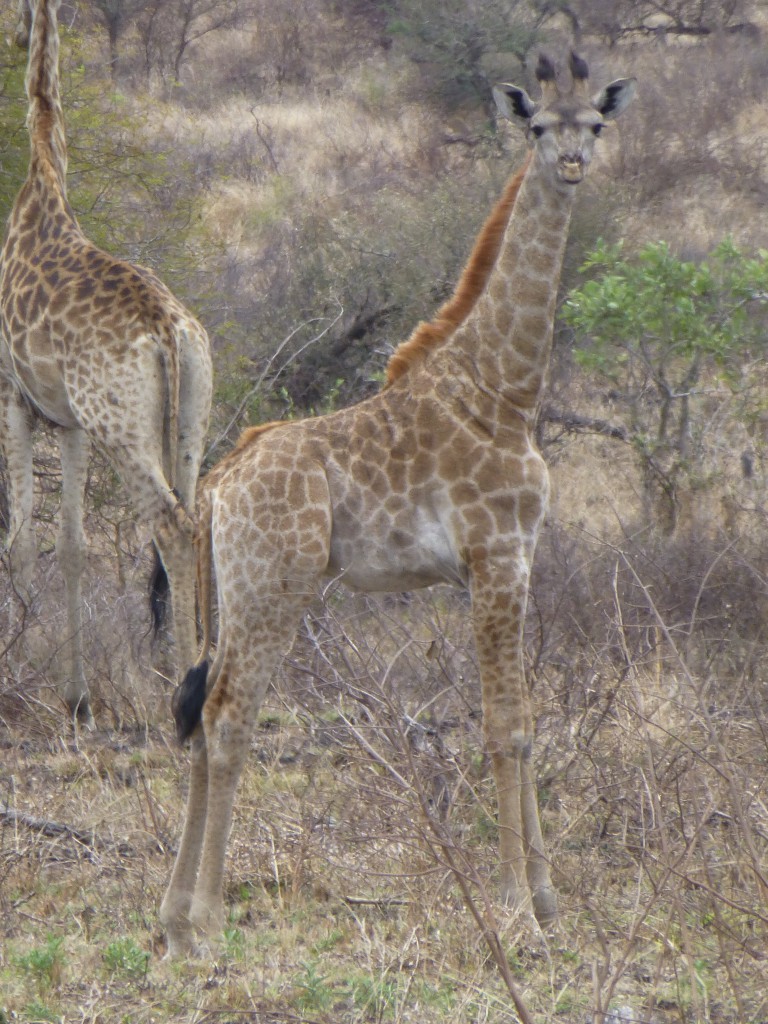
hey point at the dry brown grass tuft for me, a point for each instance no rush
(360, 876)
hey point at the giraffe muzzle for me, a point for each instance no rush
(571, 169)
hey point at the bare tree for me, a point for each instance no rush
(168, 28)
(616, 19)
(115, 15)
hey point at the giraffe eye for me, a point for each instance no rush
(538, 130)
(597, 128)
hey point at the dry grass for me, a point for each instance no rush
(367, 800)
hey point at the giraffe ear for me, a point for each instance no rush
(616, 97)
(514, 103)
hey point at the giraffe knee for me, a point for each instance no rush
(516, 743)
(227, 727)
(182, 518)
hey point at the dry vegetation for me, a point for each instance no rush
(331, 202)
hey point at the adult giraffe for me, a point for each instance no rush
(435, 479)
(101, 349)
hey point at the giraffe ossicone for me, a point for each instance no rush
(101, 349)
(435, 479)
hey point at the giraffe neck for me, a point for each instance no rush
(45, 119)
(507, 339)
(474, 277)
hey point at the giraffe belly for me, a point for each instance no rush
(397, 561)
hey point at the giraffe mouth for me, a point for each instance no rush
(571, 171)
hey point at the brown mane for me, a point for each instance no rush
(474, 277)
(427, 335)
(215, 473)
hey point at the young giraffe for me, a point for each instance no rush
(102, 350)
(435, 479)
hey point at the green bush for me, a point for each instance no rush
(664, 334)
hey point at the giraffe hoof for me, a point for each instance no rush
(545, 906)
(82, 716)
(181, 946)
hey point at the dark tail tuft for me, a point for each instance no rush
(158, 592)
(188, 700)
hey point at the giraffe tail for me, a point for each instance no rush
(159, 592)
(189, 697)
(188, 700)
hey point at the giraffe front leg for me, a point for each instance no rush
(499, 597)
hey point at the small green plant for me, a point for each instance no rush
(329, 941)
(442, 997)
(45, 963)
(314, 991)
(124, 957)
(39, 1012)
(567, 1005)
(234, 943)
(374, 996)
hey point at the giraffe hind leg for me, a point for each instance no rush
(74, 447)
(254, 640)
(187, 705)
(543, 892)
(175, 908)
(21, 545)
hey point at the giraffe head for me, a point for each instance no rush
(562, 126)
(25, 10)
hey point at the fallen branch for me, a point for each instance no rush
(43, 826)
(573, 423)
